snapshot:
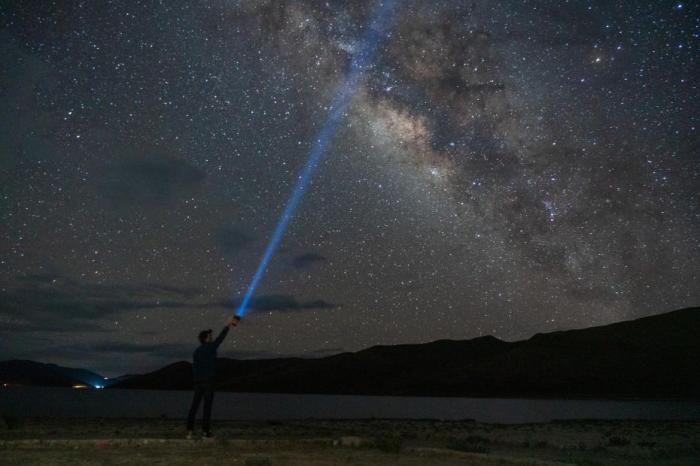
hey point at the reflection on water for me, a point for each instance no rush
(48, 401)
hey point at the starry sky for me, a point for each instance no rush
(504, 167)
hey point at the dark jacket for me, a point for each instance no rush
(204, 359)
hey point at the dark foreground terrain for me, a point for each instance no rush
(366, 442)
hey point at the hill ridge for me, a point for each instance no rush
(652, 356)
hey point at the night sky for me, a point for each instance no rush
(504, 168)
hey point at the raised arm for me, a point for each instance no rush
(232, 323)
(221, 336)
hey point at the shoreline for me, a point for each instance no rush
(575, 397)
(67, 402)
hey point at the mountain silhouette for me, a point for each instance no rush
(651, 357)
(24, 372)
(656, 356)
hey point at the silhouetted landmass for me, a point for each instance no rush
(657, 356)
(23, 372)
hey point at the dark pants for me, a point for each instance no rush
(201, 389)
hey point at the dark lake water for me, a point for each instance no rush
(45, 401)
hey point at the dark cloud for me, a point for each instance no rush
(319, 353)
(254, 355)
(231, 240)
(48, 323)
(38, 278)
(58, 281)
(150, 179)
(303, 261)
(163, 350)
(284, 303)
(53, 303)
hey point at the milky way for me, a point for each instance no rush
(504, 168)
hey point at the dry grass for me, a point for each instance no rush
(350, 442)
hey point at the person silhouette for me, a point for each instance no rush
(203, 375)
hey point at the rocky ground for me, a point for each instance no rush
(348, 442)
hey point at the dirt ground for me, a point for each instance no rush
(348, 442)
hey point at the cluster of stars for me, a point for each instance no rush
(504, 169)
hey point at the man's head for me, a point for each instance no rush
(205, 336)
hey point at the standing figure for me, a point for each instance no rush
(203, 373)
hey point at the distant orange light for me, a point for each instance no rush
(80, 386)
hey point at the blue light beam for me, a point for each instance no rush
(366, 52)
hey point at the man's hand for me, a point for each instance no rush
(234, 321)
